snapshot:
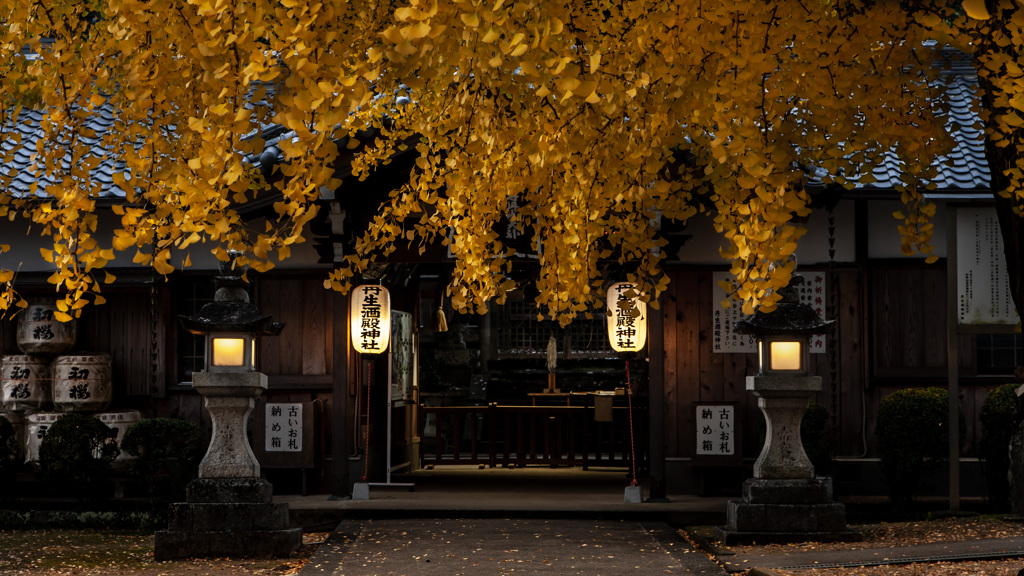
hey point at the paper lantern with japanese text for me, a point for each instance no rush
(370, 317)
(627, 318)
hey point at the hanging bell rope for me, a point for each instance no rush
(552, 363)
(552, 353)
(440, 322)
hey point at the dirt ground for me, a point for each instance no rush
(885, 535)
(89, 553)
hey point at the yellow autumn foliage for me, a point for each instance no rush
(599, 118)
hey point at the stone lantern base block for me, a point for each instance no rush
(233, 517)
(780, 511)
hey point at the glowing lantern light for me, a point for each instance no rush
(231, 352)
(627, 318)
(782, 354)
(370, 317)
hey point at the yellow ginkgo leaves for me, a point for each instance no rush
(583, 123)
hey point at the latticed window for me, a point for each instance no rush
(190, 292)
(521, 335)
(998, 354)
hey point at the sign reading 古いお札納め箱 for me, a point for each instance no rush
(283, 428)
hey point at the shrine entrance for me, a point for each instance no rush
(506, 390)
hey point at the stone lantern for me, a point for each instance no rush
(784, 501)
(229, 509)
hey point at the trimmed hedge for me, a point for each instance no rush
(913, 438)
(999, 417)
(167, 453)
(816, 436)
(9, 462)
(76, 454)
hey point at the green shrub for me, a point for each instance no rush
(999, 418)
(815, 434)
(76, 455)
(9, 461)
(167, 454)
(913, 438)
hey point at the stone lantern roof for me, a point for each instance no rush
(790, 316)
(231, 310)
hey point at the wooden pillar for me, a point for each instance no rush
(656, 401)
(341, 486)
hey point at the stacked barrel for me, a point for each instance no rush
(44, 381)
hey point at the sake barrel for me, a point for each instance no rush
(26, 383)
(39, 331)
(81, 382)
(120, 421)
(36, 426)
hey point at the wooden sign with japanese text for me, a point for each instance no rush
(718, 438)
(283, 434)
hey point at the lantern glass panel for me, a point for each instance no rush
(786, 355)
(228, 352)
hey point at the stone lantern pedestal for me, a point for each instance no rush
(785, 502)
(229, 510)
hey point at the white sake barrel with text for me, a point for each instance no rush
(81, 382)
(120, 421)
(25, 381)
(39, 331)
(36, 426)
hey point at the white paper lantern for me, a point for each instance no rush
(627, 321)
(370, 317)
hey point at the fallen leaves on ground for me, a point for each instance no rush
(116, 553)
(987, 568)
(891, 534)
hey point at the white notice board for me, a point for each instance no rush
(983, 290)
(724, 337)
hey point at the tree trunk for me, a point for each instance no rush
(1011, 228)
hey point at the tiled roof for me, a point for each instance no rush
(21, 156)
(965, 168)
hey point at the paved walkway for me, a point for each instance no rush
(484, 547)
(460, 492)
(983, 549)
(553, 521)
(590, 547)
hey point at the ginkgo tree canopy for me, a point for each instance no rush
(600, 116)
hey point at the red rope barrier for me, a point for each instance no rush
(632, 439)
(366, 453)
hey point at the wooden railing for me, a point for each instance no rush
(506, 436)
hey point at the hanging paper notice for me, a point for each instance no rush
(724, 337)
(983, 290)
(401, 355)
(284, 428)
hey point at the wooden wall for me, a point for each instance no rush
(129, 328)
(890, 334)
(300, 363)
